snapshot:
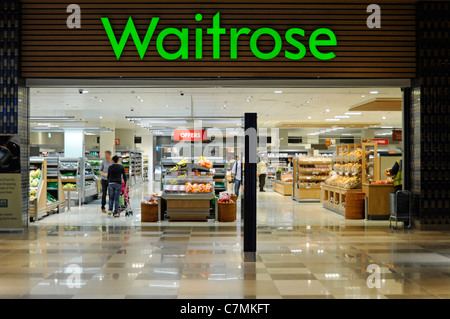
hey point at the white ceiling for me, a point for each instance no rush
(293, 105)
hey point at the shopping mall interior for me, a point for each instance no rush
(323, 211)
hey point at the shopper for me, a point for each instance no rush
(106, 163)
(236, 174)
(262, 173)
(115, 174)
(396, 172)
(290, 164)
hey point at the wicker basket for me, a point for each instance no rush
(354, 206)
(227, 212)
(233, 197)
(149, 213)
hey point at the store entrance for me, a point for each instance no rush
(319, 152)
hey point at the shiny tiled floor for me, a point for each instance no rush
(304, 251)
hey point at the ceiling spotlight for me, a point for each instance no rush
(327, 110)
(83, 91)
(384, 117)
(363, 96)
(138, 97)
(309, 117)
(248, 100)
(100, 117)
(342, 116)
(100, 100)
(167, 105)
(353, 113)
(224, 107)
(373, 92)
(332, 120)
(278, 92)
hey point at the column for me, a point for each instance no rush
(429, 138)
(74, 143)
(250, 187)
(14, 120)
(107, 138)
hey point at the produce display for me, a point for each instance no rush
(35, 177)
(95, 163)
(51, 199)
(181, 164)
(32, 194)
(69, 186)
(204, 162)
(225, 197)
(198, 188)
(152, 199)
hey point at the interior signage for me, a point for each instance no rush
(295, 37)
(397, 135)
(380, 141)
(190, 135)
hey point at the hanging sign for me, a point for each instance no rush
(190, 135)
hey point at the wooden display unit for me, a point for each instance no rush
(188, 206)
(334, 198)
(370, 165)
(377, 200)
(283, 188)
(309, 173)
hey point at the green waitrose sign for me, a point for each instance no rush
(315, 42)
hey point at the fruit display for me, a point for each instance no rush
(225, 197)
(95, 163)
(204, 162)
(181, 164)
(69, 186)
(151, 199)
(198, 188)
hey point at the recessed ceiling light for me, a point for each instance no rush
(100, 100)
(363, 96)
(278, 92)
(138, 97)
(353, 113)
(327, 110)
(386, 127)
(100, 117)
(342, 116)
(384, 117)
(84, 91)
(309, 117)
(141, 100)
(332, 120)
(373, 92)
(248, 100)
(224, 107)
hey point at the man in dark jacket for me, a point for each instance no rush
(115, 174)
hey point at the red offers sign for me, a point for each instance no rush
(380, 141)
(190, 135)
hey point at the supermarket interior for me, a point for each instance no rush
(322, 153)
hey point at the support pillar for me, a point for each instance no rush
(251, 155)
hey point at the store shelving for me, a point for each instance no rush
(309, 174)
(69, 170)
(135, 167)
(145, 168)
(353, 164)
(54, 185)
(90, 183)
(38, 187)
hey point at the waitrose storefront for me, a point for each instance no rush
(226, 43)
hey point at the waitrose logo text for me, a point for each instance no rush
(318, 39)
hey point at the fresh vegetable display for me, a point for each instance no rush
(179, 165)
(32, 194)
(51, 199)
(225, 197)
(69, 186)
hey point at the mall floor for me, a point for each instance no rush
(304, 251)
